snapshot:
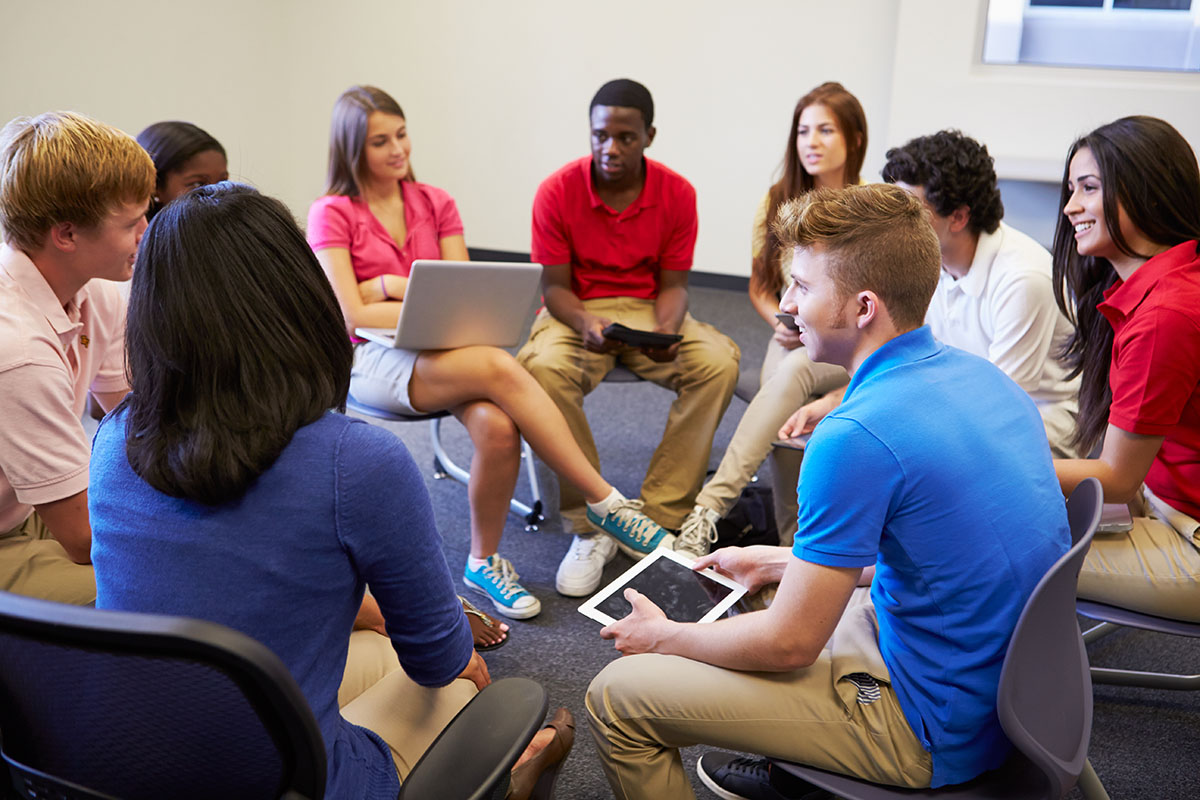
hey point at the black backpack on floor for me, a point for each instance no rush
(750, 521)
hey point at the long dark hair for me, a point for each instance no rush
(1147, 169)
(348, 135)
(170, 144)
(852, 124)
(234, 340)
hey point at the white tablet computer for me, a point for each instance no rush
(667, 578)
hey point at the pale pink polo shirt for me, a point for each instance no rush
(50, 357)
(430, 215)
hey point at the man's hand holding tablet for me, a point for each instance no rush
(754, 567)
(642, 630)
(648, 629)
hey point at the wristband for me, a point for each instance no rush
(383, 288)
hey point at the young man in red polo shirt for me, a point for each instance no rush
(616, 232)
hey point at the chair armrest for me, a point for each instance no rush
(476, 751)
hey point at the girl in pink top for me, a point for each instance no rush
(373, 222)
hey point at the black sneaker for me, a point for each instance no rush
(733, 777)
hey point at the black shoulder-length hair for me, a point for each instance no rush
(234, 340)
(171, 144)
(1149, 170)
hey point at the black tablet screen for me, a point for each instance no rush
(683, 594)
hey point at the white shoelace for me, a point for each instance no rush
(502, 574)
(629, 514)
(582, 547)
(696, 534)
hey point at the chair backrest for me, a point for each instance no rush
(1045, 695)
(146, 706)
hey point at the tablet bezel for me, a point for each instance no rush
(737, 591)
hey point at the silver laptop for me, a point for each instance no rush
(452, 304)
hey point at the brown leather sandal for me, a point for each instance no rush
(535, 779)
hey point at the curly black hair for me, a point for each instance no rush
(955, 170)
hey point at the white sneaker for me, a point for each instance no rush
(581, 568)
(698, 532)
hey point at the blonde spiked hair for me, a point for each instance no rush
(64, 167)
(876, 237)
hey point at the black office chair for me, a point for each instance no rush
(1044, 699)
(104, 705)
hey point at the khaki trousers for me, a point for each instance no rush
(34, 564)
(789, 380)
(1153, 568)
(376, 694)
(643, 708)
(703, 376)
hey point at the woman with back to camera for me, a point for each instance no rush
(373, 222)
(185, 157)
(825, 148)
(1127, 271)
(224, 488)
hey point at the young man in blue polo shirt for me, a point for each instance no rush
(931, 482)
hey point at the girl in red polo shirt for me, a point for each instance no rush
(1127, 270)
(373, 222)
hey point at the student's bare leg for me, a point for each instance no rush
(495, 466)
(450, 378)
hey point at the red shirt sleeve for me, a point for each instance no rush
(1155, 371)
(681, 239)
(551, 245)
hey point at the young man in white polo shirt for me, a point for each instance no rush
(73, 198)
(994, 298)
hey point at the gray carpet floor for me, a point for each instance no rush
(1139, 736)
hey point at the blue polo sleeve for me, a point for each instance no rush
(850, 483)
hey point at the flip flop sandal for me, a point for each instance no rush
(478, 621)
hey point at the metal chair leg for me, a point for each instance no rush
(1090, 785)
(444, 467)
(1098, 631)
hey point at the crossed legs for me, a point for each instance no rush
(499, 402)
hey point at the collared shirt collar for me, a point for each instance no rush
(24, 273)
(904, 349)
(1123, 297)
(975, 281)
(647, 198)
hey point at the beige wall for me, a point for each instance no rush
(496, 93)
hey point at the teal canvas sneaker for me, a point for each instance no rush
(636, 534)
(498, 580)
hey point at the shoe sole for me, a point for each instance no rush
(511, 613)
(724, 794)
(566, 589)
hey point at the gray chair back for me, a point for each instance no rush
(1046, 668)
